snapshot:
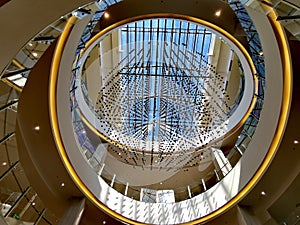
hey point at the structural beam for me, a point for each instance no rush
(8, 105)
(295, 17)
(220, 161)
(73, 214)
(9, 170)
(6, 75)
(16, 203)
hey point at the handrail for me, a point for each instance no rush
(248, 128)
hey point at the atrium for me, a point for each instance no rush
(149, 112)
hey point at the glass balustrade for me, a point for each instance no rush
(181, 193)
(30, 207)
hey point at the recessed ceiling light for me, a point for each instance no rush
(218, 13)
(30, 44)
(4, 163)
(160, 183)
(33, 203)
(263, 193)
(34, 54)
(296, 142)
(37, 128)
(106, 15)
(62, 184)
(104, 222)
(120, 153)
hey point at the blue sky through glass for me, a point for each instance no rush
(184, 38)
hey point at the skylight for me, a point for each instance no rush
(162, 92)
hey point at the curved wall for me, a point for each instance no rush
(22, 20)
(256, 149)
(211, 200)
(19, 22)
(273, 99)
(37, 149)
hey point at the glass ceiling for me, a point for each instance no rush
(163, 93)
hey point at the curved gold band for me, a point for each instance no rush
(273, 147)
(209, 25)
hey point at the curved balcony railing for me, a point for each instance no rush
(98, 164)
(233, 156)
(256, 53)
(17, 71)
(180, 193)
(18, 200)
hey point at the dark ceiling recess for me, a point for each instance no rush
(2, 2)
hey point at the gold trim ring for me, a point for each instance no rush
(286, 61)
(209, 25)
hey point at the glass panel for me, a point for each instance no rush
(190, 45)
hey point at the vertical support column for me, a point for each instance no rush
(189, 191)
(105, 59)
(217, 175)
(73, 214)
(116, 42)
(113, 180)
(204, 185)
(101, 170)
(220, 161)
(126, 189)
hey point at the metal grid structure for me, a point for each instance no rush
(258, 59)
(164, 96)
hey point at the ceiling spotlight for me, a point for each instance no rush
(4, 163)
(34, 54)
(62, 184)
(263, 193)
(37, 128)
(104, 222)
(218, 13)
(30, 44)
(33, 204)
(296, 142)
(106, 15)
(160, 183)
